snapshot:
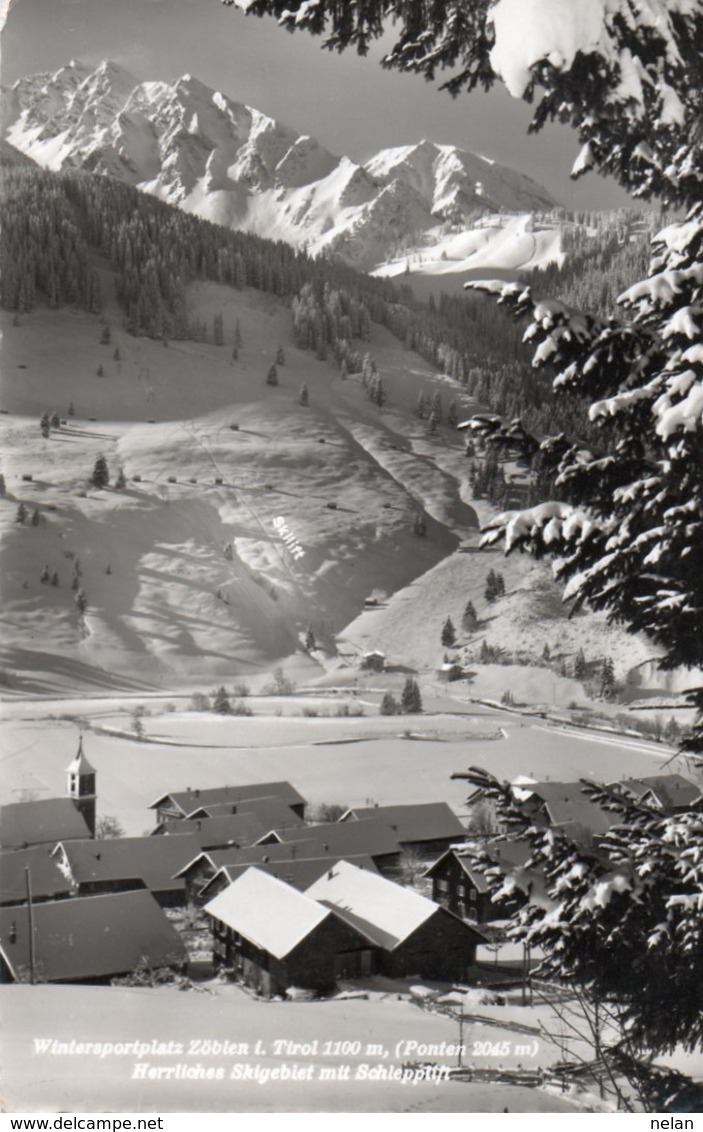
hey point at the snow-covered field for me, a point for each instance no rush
(347, 761)
(36, 1081)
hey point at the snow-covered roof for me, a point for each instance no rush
(267, 912)
(386, 913)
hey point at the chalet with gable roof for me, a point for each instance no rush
(461, 886)
(273, 937)
(669, 793)
(413, 935)
(87, 939)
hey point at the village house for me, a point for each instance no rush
(342, 839)
(299, 873)
(669, 793)
(43, 822)
(198, 872)
(181, 803)
(564, 806)
(427, 828)
(124, 863)
(459, 885)
(32, 871)
(413, 935)
(88, 939)
(213, 833)
(273, 937)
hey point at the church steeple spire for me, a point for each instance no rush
(81, 786)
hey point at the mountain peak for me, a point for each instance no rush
(193, 146)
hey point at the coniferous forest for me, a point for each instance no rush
(61, 229)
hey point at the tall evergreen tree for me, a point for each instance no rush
(101, 474)
(272, 376)
(221, 703)
(469, 620)
(411, 699)
(448, 636)
(303, 396)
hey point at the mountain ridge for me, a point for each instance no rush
(230, 163)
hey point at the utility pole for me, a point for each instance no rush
(30, 922)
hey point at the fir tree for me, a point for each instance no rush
(45, 425)
(469, 620)
(100, 372)
(272, 376)
(217, 330)
(105, 335)
(121, 481)
(55, 578)
(55, 421)
(546, 653)
(280, 357)
(81, 601)
(310, 642)
(70, 412)
(389, 704)
(36, 517)
(492, 590)
(436, 409)
(608, 687)
(101, 474)
(419, 525)
(303, 397)
(221, 703)
(21, 513)
(421, 405)
(580, 666)
(237, 337)
(235, 354)
(45, 575)
(2, 485)
(452, 414)
(116, 357)
(448, 636)
(410, 699)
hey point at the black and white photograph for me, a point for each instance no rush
(351, 512)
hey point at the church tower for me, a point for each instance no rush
(81, 787)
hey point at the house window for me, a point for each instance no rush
(443, 886)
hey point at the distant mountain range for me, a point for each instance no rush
(195, 148)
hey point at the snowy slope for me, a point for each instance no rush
(196, 148)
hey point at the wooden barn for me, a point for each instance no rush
(88, 939)
(273, 937)
(413, 935)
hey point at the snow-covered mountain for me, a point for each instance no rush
(196, 148)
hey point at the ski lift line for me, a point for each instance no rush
(254, 514)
